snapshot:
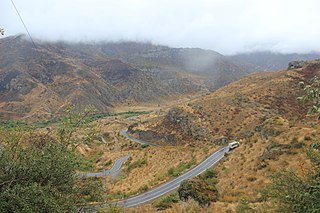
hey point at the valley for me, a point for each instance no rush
(263, 113)
(160, 117)
(37, 82)
(159, 106)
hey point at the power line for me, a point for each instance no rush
(25, 26)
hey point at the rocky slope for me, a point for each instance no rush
(236, 110)
(262, 112)
(216, 69)
(36, 82)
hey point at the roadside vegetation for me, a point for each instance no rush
(89, 118)
(276, 169)
(301, 193)
(200, 189)
(136, 164)
(182, 167)
(150, 167)
(166, 201)
(92, 117)
(38, 169)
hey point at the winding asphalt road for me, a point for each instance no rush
(164, 188)
(125, 134)
(115, 168)
(175, 183)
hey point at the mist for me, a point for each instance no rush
(226, 26)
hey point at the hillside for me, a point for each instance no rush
(36, 82)
(262, 112)
(217, 69)
(237, 108)
(269, 61)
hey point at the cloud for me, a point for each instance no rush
(227, 26)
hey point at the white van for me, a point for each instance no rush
(233, 145)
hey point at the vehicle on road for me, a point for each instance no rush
(233, 145)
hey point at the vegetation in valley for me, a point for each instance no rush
(88, 119)
(279, 151)
(38, 170)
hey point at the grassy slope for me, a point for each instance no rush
(261, 111)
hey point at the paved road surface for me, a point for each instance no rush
(115, 168)
(168, 186)
(175, 183)
(125, 134)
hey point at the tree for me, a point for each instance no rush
(202, 189)
(74, 122)
(38, 173)
(294, 193)
(312, 95)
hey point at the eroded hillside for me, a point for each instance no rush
(37, 81)
(262, 112)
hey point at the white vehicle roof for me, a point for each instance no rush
(234, 142)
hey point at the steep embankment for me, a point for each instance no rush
(261, 110)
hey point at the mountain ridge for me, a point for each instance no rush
(262, 112)
(37, 82)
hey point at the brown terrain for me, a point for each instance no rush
(145, 171)
(37, 82)
(262, 112)
(187, 114)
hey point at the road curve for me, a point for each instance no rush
(125, 134)
(175, 183)
(115, 168)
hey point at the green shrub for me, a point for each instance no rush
(198, 190)
(167, 201)
(143, 146)
(143, 188)
(136, 164)
(38, 171)
(209, 174)
(39, 177)
(243, 206)
(108, 163)
(178, 170)
(293, 193)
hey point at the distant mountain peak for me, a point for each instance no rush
(36, 82)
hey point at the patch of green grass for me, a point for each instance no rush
(13, 124)
(166, 202)
(94, 117)
(136, 164)
(44, 124)
(108, 163)
(210, 176)
(88, 164)
(118, 195)
(143, 146)
(178, 170)
(143, 188)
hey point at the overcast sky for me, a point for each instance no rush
(226, 26)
